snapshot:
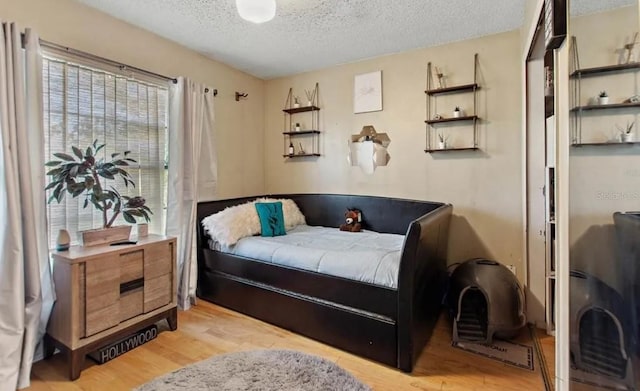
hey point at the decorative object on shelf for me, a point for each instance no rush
(311, 134)
(301, 151)
(63, 240)
(633, 99)
(630, 50)
(434, 139)
(241, 95)
(368, 149)
(442, 141)
(82, 177)
(256, 11)
(603, 98)
(440, 77)
(367, 92)
(311, 95)
(626, 133)
(548, 81)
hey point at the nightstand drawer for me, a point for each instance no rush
(131, 304)
(158, 260)
(157, 292)
(131, 266)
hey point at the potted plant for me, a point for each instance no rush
(297, 128)
(626, 133)
(442, 141)
(296, 102)
(457, 112)
(603, 98)
(81, 174)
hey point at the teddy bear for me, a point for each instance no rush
(351, 221)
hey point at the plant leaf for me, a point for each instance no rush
(77, 152)
(52, 185)
(128, 218)
(52, 163)
(86, 202)
(126, 153)
(113, 155)
(64, 156)
(99, 148)
(55, 171)
(89, 152)
(105, 174)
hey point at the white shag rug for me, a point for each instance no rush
(264, 370)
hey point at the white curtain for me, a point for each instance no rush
(26, 287)
(192, 165)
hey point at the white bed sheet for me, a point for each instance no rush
(365, 256)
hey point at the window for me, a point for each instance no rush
(82, 104)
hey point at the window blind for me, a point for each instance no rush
(83, 104)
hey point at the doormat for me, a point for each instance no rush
(511, 353)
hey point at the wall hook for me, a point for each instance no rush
(241, 95)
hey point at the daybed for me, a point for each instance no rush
(387, 325)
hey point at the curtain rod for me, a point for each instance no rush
(111, 62)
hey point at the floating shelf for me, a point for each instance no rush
(303, 155)
(294, 133)
(301, 109)
(439, 121)
(446, 90)
(605, 107)
(605, 69)
(608, 144)
(451, 149)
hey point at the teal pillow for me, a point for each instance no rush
(271, 218)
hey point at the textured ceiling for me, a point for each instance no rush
(313, 34)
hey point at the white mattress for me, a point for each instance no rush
(362, 256)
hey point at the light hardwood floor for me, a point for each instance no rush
(206, 330)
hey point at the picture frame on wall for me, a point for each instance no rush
(367, 92)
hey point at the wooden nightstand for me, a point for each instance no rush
(105, 293)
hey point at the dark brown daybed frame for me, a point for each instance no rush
(386, 325)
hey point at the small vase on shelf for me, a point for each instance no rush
(296, 102)
(291, 149)
(626, 137)
(297, 128)
(442, 145)
(457, 112)
(603, 98)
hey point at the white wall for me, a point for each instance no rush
(484, 187)
(239, 124)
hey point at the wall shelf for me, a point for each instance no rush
(301, 132)
(607, 106)
(448, 90)
(586, 72)
(453, 119)
(302, 155)
(307, 140)
(303, 109)
(432, 132)
(607, 144)
(451, 149)
(613, 109)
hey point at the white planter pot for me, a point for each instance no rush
(603, 100)
(309, 103)
(457, 114)
(442, 145)
(296, 105)
(627, 137)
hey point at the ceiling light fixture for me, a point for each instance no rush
(256, 11)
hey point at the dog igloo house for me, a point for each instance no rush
(486, 301)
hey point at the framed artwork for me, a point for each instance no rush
(367, 92)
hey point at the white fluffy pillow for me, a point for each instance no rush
(236, 222)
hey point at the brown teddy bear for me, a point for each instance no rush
(351, 221)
